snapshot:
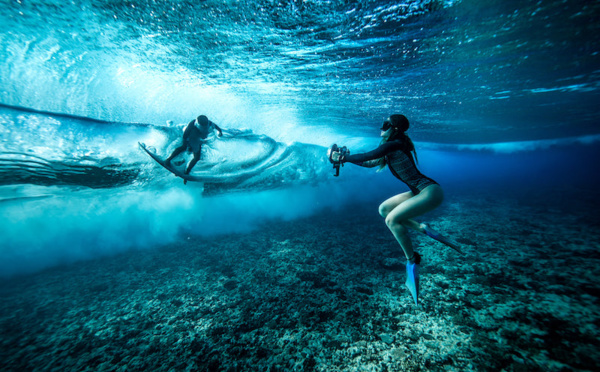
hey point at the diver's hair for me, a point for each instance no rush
(400, 124)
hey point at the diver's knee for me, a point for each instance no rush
(396, 225)
(383, 210)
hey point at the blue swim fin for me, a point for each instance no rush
(412, 277)
(441, 238)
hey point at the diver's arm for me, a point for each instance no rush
(366, 159)
(370, 163)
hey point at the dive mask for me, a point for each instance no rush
(386, 125)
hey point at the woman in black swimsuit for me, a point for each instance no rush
(396, 151)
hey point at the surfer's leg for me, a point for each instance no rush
(176, 152)
(192, 162)
(398, 219)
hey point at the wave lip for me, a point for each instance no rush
(514, 147)
(17, 168)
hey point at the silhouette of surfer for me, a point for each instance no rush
(194, 136)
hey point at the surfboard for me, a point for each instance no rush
(171, 169)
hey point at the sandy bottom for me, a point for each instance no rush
(327, 293)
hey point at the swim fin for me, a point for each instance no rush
(412, 277)
(441, 238)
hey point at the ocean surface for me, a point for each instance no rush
(108, 261)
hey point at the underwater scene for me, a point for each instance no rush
(171, 199)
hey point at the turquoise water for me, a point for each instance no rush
(503, 93)
(479, 82)
(502, 97)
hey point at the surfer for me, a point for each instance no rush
(193, 137)
(397, 151)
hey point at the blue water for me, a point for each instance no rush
(500, 94)
(108, 261)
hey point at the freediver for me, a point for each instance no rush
(397, 151)
(194, 136)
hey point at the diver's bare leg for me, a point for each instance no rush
(401, 216)
(388, 205)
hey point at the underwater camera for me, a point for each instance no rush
(336, 164)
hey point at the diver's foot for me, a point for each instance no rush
(427, 230)
(415, 259)
(412, 279)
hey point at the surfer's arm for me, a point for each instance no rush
(188, 130)
(217, 128)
